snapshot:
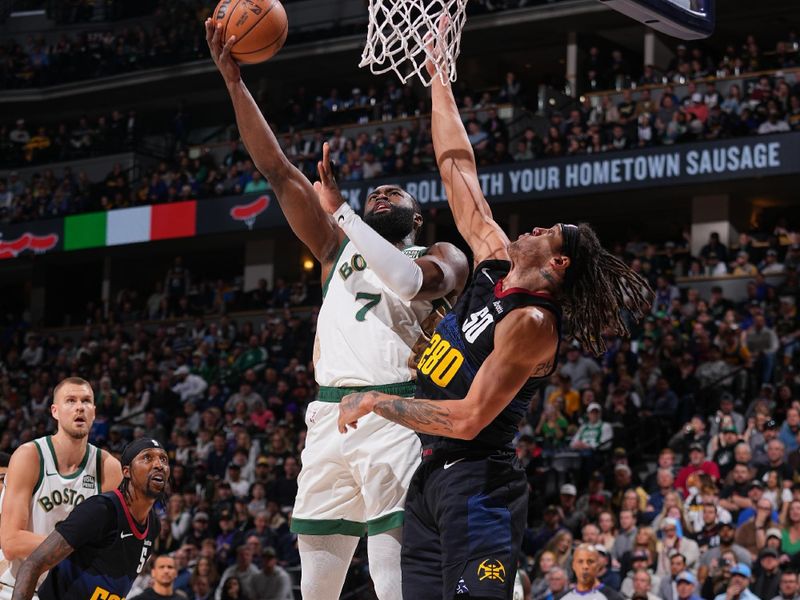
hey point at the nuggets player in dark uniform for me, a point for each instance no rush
(466, 507)
(104, 543)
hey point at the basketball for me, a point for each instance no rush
(260, 27)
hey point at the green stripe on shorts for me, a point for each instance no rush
(328, 527)
(385, 523)
(335, 394)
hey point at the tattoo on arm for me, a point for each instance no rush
(47, 555)
(424, 416)
(543, 368)
(420, 415)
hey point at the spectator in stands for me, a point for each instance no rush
(715, 245)
(752, 533)
(244, 571)
(790, 530)
(773, 124)
(557, 583)
(272, 582)
(788, 588)
(594, 434)
(675, 564)
(163, 574)
(697, 463)
(714, 266)
(673, 540)
(738, 586)
(767, 579)
(564, 397)
(188, 386)
(742, 265)
(636, 582)
(686, 586)
(763, 343)
(578, 367)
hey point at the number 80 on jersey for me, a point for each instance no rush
(440, 361)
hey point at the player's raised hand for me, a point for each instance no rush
(436, 61)
(330, 198)
(221, 51)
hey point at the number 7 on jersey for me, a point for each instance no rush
(372, 301)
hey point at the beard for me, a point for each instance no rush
(394, 225)
(76, 434)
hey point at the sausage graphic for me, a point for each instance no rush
(249, 212)
(27, 241)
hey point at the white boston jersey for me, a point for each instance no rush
(54, 496)
(365, 332)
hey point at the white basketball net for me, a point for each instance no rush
(401, 33)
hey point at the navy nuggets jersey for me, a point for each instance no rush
(110, 551)
(460, 344)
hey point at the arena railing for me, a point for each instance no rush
(723, 84)
(733, 287)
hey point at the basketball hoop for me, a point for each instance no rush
(404, 34)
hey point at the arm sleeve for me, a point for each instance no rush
(396, 270)
(89, 522)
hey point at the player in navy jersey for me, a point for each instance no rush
(104, 543)
(467, 504)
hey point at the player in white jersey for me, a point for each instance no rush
(49, 476)
(367, 328)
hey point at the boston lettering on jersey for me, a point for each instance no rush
(65, 496)
(460, 344)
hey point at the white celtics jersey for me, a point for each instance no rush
(365, 332)
(55, 495)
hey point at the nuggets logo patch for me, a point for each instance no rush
(493, 570)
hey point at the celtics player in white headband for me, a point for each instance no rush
(368, 326)
(51, 475)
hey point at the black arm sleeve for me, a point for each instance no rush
(89, 522)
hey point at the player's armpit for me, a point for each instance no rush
(47, 555)
(23, 474)
(112, 472)
(444, 270)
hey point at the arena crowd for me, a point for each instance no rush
(676, 453)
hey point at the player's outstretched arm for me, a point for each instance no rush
(514, 359)
(293, 190)
(459, 173)
(47, 555)
(442, 270)
(23, 474)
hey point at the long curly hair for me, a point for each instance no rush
(597, 289)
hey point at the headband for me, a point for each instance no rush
(571, 236)
(133, 449)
